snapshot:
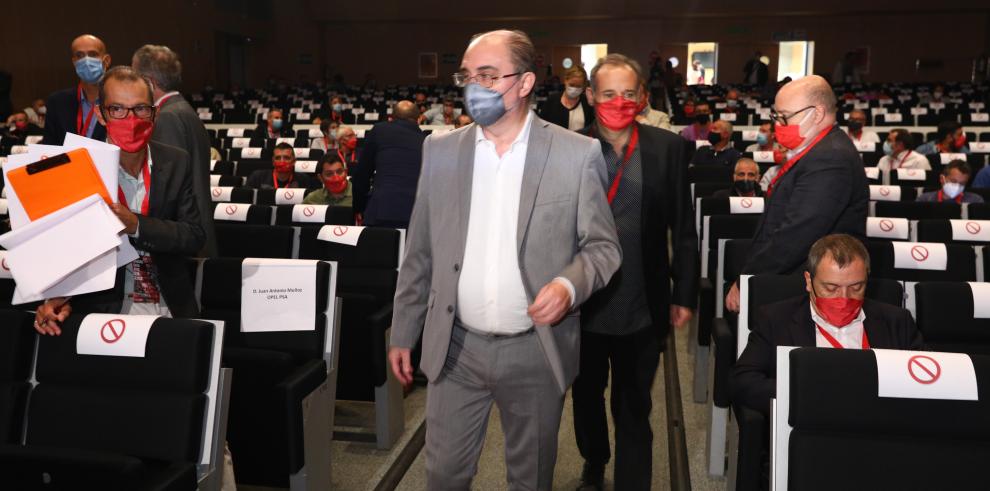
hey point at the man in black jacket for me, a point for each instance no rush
(625, 324)
(834, 314)
(74, 110)
(158, 210)
(392, 156)
(820, 189)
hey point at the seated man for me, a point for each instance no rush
(284, 175)
(953, 180)
(731, 101)
(949, 138)
(856, 122)
(462, 120)
(336, 188)
(834, 314)
(700, 127)
(745, 180)
(275, 126)
(898, 153)
(766, 141)
(721, 151)
(440, 115)
(20, 128)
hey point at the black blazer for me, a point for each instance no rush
(555, 112)
(392, 156)
(177, 124)
(826, 192)
(171, 232)
(261, 131)
(666, 206)
(753, 381)
(63, 107)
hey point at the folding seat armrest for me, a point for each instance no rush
(706, 311)
(725, 358)
(293, 389)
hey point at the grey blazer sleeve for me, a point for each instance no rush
(415, 276)
(598, 255)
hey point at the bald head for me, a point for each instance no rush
(405, 110)
(89, 46)
(88, 42)
(812, 90)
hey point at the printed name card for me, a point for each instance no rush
(930, 256)
(885, 193)
(310, 213)
(235, 132)
(949, 157)
(888, 228)
(371, 116)
(925, 375)
(306, 165)
(750, 135)
(981, 299)
(231, 212)
(976, 105)
(340, 234)
(357, 110)
(114, 335)
(278, 295)
(763, 156)
(872, 173)
(911, 174)
(893, 117)
(865, 147)
(861, 105)
(979, 147)
(979, 117)
(739, 205)
(970, 230)
(301, 153)
(936, 105)
(289, 196)
(221, 193)
(727, 117)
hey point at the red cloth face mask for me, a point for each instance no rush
(789, 136)
(131, 134)
(336, 184)
(616, 114)
(959, 142)
(350, 144)
(284, 166)
(21, 125)
(838, 311)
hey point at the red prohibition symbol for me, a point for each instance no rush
(113, 330)
(886, 225)
(924, 369)
(919, 253)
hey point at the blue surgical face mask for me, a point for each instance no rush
(952, 189)
(887, 149)
(338, 107)
(486, 106)
(89, 69)
(277, 124)
(762, 138)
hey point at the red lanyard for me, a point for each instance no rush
(288, 182)
(906, 155)
(790, 163)
(83, 129)
(342, 159)
(630, 148)
(146, 174)
(835, 343)
(942, 196)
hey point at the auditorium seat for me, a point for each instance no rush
(234, 213)
(219, 194)
(333, 215)
(246, 167)
(917, 210)
(222, 167)
(965, 231)
(283, 196)
(17, 338)
(709, 173)
(707, 189)
(946, 315)
(245, 240)
(960, 261)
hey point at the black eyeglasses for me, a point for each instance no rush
(485, 80)
(782, 119)
(116, 111)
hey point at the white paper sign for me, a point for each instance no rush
(231, 212)
(289, 196)
(310, 213)
(205, 115)
(114, 335)
(970, 230)
(727, 117)
(251, 153)
(288, 140)
(981, 299)
(305, 166)
(17, 149)
(301, 153)
(888, 228)
(4, 267)
(976, 105)
(979, 117)
(919, 111)
(930, 256)
(911, 174)
(949, 157)
(240, 142)
(925, 375)
(763, 157)
(749, 135)
(885, 193)
(739, 205)
(341, 234)
(701, 143)
(278, 295)
(235, 132)
(872, 173)
(215, 180)
(865, 147)
(893, 117)
(979, 147)
(221, 194)
(371, 116)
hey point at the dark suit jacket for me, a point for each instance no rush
(171, 232)
(826, 192)
(177, 124)
(555, 112)
(392, 156)
(666, 206)
(63, 106)
(788, 323)
(261, 131)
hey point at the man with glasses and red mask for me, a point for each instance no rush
(510, 233)
(624, 326)
(283, 175)
(156, 205)
(820, 188)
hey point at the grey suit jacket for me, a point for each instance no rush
(178, 125)
(565, 228)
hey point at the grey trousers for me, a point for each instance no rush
(514, 374)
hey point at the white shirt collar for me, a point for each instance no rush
(522, 137)
(166, 95)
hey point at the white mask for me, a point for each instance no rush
(573, 92)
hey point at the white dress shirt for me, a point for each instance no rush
(575, 118)
(850, 336)
(909, 159)
(865, 137)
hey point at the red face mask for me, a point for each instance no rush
(350, 144)
(838, 311)
(336, 184)
(616, 114)
(284, 166)
(789, 136)
(960, 141)
(131, 133)
(21, 125)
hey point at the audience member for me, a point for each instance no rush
(177, 124)
(36, 112)
(19, 128)
(276, 125)
(953, 180)
(440, 115)
(347, 146)
(652, 117)
(328, 141)
(284, 174)
(462, 120)
(949, 138)
(755, 72)
(720, 152)
(698, 130)
(570, 108)
(855, 123)
(391, 158)
(336, 189)
(898, 153)
(833, 314)
(731, 101)
(766, 142)
(745, 180)
(74, 110)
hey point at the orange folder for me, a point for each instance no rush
(53, 183)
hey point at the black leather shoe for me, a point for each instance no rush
(592, 478)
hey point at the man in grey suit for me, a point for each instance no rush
(177, 124)
(509, 234)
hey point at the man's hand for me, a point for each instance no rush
(680, 316)
(50, 314)
(125, 215)
(550, 305)
(400, 361)
(732, 298)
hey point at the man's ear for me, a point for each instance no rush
(527, 85)
(99, 114)
(106, 62)
(807, 282)
(590, 95)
